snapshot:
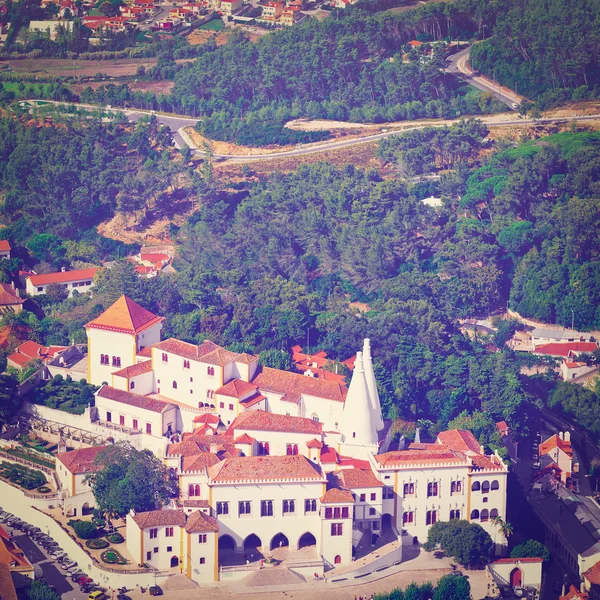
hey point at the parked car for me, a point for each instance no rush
(155, 591)
(97, 595)
(536, 465)
(85, 581)
(68, 565)
(77, 576)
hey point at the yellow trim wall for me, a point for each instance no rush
(188, 571)
(89, 358)
(216, 536)
(141, 546)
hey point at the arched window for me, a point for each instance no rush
(174, 385)
(132, 385)
(485, 514)
(476, 486)
(493, 513)
(485, 487)
(210, 371)
(407, 517)
(495, 485)
(431, 517)
(315, 417)
(190, 490)
(454, 514)
(474, 514)
(186, 364)
(456, 487)
(197, 489)
(165, 357)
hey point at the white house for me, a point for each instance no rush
(81, 281)
(557, 450)
(117, 336)
(4, 249)
(170, 539)
(517, 572)
(451, 479)
(71, 469)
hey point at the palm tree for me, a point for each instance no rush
(504, 526)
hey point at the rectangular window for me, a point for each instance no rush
(344, 512)
(337, 529)
(121, 420)
(222, 508)
(409, 489)
(328, 513)
(169, 548)
(363, 497)
(231, 407)
(202, 560)
(40, 289)
(266, 508)
(289, 507)
(244, 507)
(222, 404)
(310, 506)
(186, 364)
(165, 357)
(108, 416)
(337, 512)
(432, 489)
(202, 538)
(149, 428)
(155, 550)
(153, 533)
(372, 512)
(169, 532)
(191, 380)
(388, 492)
(148, 555)
(374, 496)
(135, 423)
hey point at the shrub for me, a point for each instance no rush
(112, 557)
(43, 489)
(115, 538)
(97, 544)
(83, 529)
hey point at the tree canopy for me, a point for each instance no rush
(468, 543)
(130, 479)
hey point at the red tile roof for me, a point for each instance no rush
(135, 370)
(6, 583)
(252, 400)
(486, 462)
(460, 440)
(337, 496)
(208, 418)
(198, 522)
(189, 503)
(80, 461)
(63, 276)
(502, 427)
(358, 478)
(293, 385)
(555, 442)
(30, 350)
(125, 316)
(131, 399)
(10, 552)
(236, 388)
(246, 359)
(244, 439)
(199, 462)
(419, 457)
(145, 352)
(563, 349)
(260, 420)
(4, 246)
(593, 574)
(185, 349)
(195, 444)
(509, 561)
(314, 443)
(219, 357)
(8, 296)
(250, 469)
(152, 257)
(574, 594)
(158, 518)
(329, 455)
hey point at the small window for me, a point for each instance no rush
(40, 289)
(174, 385)
(202, 538)
(186, 364)
(155, 550)
(372, 511)
(231, 407)
(495, 485)
(476, 486)
(337, 529)
(363, 497)
(222, 508)
(165, 357)
(221, 404)
(169, 548)
(373, 496)
(148, 555)
(132, 385)
(202, 560)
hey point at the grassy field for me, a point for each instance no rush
(13, 86)
(215, 25)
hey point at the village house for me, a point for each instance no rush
(10, 299)
(271, 11)
(31, 351)
(170, 539)
(571, 368)
(566, 349)
(229, 7)
(4, 249)
(20, 568)
(517, 572)
(81, 280)
(71, 469)
(543, 335)
(556, 454)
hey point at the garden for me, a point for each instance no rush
(24, 477)
(97, 538)
(64, 394)
(112, 557)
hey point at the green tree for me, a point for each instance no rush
(46, 247)
(41, 591)
(85, 530)
(530, 549)
(10, 401)
(130, 479)
(276, 359)
(468, 543)
(452, 587)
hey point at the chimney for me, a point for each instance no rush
(213, 447)
(560, 435)
(417, 436)
(63, 269)
(567, 436)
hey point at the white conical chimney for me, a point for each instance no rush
(357, 426)
(372, 385)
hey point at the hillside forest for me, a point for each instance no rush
(285, 258)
